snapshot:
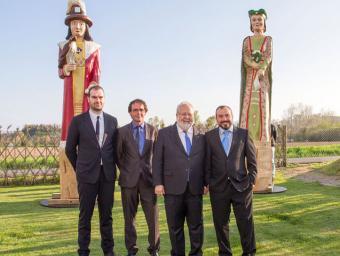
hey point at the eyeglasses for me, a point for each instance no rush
(138, 110)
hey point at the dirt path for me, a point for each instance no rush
(307, 174)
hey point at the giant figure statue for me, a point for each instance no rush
(79, 66)
(256, 87)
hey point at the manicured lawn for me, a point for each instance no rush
(329, 168)
(305, 220)
(313, 151)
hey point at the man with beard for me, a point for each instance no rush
(231, 173)
(178, 171)
(90, 146)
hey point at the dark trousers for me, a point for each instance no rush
(103, 191)
(243, 210)
(130, 200)
(178, 208)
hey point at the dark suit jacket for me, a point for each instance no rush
(130, 163)
(171, 163)
(84, 151)
(239, 166)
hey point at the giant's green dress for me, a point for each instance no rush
(255, 91)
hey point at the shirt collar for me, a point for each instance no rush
(221, 130)
(189, 131)
(94, 114)
(134, 125)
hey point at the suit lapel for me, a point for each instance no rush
(195, 137)
(90, 128)
(234, 139)
(218, 141)
(129, 130)
(147, 140)
(106, 128)
(177, 139)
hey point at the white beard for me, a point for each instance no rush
(184, 126)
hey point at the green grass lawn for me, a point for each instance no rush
(328, 168)
(313, 151)
(305, 220)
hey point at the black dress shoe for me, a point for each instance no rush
(109, 254)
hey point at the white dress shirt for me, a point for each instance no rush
(93, 116)
(181, 134)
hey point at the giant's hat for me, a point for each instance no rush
(76, 10)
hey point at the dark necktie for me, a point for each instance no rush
(97, 128)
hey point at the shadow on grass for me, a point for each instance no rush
(305, 220)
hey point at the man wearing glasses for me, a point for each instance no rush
(135, 149)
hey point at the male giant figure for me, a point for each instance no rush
(90, 148)
(135, 146)
(178, 171)
(231, 173)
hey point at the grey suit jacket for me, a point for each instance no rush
(172, 166)
(84, 151)
(131, 164)
(239, 166)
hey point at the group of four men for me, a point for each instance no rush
(177, 162)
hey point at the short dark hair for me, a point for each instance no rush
(137, 101)
(222, 107)
(95, 88)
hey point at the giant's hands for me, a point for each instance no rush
(206, 189)
(68, 68)
(159, 190)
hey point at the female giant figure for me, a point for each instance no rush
(256, 82)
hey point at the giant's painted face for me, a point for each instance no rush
(257, 23)
(78, 28)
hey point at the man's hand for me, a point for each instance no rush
(159, 190)
(206, 190)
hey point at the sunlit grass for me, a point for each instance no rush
(313, 151)
(305, 220)
(329, 168)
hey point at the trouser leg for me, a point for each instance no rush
(105, 204)
(194, 208)
(243, 208)
(149, 204)
(175, 215)
(220, 204)
(87, 199)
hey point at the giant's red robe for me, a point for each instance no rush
(89, 72)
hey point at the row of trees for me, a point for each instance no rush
(202, 126)
(304, 125)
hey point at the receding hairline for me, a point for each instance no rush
(96, 88)
(224, 107)
(184, 103)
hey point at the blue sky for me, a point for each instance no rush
(166, 51)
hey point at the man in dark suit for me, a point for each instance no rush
(90, 147)
(178, 171)
(231, 173)
(135, 149)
